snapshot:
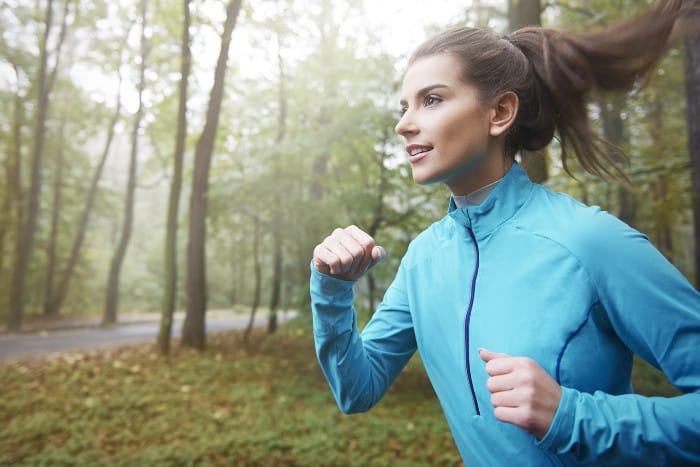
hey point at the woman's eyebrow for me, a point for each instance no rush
(423, 91)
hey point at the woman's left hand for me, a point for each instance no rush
(522, 393)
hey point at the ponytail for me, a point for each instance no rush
(554, 73)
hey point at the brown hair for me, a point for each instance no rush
(553, 73)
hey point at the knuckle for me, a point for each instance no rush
(490, 384)
(357, 251)
(530, 393)
(523, 379)
(344, 258)
(333, 263)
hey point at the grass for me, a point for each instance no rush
(267, 404)
(262, 404)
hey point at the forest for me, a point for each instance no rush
(159, 155)
(184, 158)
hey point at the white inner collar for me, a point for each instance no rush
(475, 198)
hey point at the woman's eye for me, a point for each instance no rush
(430, 100)
(403, 110)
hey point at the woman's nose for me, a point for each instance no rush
(405, 125)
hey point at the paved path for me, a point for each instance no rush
(46, 339)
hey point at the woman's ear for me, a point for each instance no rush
(504, 109)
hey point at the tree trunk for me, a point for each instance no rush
(13, 209)
(662, 220)
(692, 86)
(611, 108)
(372, 290)
(193, 332)
(276, 282)
(328, 39)
(319, 164)
(25, 239)
(277, 212)
(53, 235)
(112, 296)
(522, 13)
(170, 292)
(378, 217)
(61, 291)
(257, 272)
(663, 237)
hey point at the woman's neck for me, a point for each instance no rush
(487, 171)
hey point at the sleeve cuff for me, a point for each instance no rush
(558, 437)
(332, 302)
(326, 285)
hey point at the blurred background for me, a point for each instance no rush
(155, 154)
(162, 158)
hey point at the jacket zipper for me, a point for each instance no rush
(467, 320)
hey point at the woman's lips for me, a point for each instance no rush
(416, 152)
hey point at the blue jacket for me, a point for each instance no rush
(529, 273)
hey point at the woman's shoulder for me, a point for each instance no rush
(587, 231)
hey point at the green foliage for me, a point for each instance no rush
(263, 405)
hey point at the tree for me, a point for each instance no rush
(169, 293)
(277, 211)
(612, 108)
(257, 272)
(25, 240)
(193, 332)
(55, 213)
(327, 67)
(54, 299)
(692, 86)
(523, 13)
(112, 296)
(13, 208)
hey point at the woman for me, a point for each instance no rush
(526, 306)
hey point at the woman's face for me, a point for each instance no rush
(445, 127)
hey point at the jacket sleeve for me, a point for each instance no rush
(359, 367)
(656, 312)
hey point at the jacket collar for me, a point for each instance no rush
(498, 207)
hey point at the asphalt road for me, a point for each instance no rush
(44, 342)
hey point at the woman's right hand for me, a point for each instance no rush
(347, 254)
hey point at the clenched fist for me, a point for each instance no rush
(522, 393)
(347, 254)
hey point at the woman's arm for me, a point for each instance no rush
(655, 312)
(359, 367)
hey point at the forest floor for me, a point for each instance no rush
(261, 403)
